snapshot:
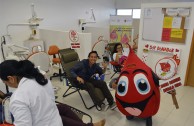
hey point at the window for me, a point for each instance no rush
(134, 12)
(124, 12)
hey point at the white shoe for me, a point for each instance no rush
(113, 106)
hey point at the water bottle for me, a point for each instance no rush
(97, 77)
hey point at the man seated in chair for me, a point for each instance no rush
(84, 71)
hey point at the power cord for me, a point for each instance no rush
(3, 42)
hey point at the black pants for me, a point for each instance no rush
(102, 86)
(69, 118)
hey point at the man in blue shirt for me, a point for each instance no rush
(84, 72)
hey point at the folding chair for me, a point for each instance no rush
(78, 112)
(68, 59)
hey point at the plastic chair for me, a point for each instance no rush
(54, 51)
(68, 59)
(40, 59)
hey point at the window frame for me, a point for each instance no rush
(132, 10)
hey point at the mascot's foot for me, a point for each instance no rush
(129, 117)
(149, 121)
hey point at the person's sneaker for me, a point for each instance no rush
(113, 106)
(106, 107)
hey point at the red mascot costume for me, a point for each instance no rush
(137, 92)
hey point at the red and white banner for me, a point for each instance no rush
(171, 84)
(74, 38)
(161, 48)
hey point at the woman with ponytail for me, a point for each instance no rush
(33, 102)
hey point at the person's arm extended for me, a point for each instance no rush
(100, 70)
(75, 69)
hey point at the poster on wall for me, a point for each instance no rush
(74, 38)
(169, 26)
(121, 29)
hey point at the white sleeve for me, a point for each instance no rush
(114, 56)
(126, 51)
(21, 113)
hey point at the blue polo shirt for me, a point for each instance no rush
(83, 70)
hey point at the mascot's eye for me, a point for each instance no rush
(141, 83)
(122, 87)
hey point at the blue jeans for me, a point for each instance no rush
(1, 118)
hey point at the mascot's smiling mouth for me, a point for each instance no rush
(135, 109)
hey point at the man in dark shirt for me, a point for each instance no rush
(84, 71)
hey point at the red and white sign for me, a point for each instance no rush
(166, 68)
(171, 84)
(161, 48)
(74, 38)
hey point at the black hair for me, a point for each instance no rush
(93, 52)
(23, 68)
(115, 47)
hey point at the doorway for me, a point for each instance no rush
(189, 81)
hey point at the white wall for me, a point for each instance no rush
(58, 15)
(120, 4)
(61, 39)
(97, 32)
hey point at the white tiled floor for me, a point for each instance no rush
(167, 115)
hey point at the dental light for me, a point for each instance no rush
(33, 22)
(34, 18)
(83, 21)
(21, 24)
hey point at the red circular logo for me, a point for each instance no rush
(73, 36)
(166, 68)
